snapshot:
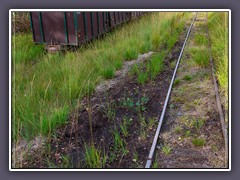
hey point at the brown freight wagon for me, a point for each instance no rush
(74, 28)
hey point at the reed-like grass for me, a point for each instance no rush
(218, 31)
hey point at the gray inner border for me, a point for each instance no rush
(175, 4)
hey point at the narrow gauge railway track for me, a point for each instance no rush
(220, 111)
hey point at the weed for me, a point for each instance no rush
(187, 133)
(172, 65)
(118, 141)
(176, 82)
(93, 157)
(166, 149)
(155, 165)
(143, 134)
(128, 103)
(142, 77)
(124, 129)
(135, 157)
(135, 69)
(151, 122)
(140, 104)
(187, 77)
(198, 123)
(178, 129)
(198, 142)
(127, 121)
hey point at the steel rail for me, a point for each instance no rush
(151, 153)
(225, 136)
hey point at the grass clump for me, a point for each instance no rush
(200, 39)
(93, 157)
(142, 77)
(166, 149)
(198, 142)
(200, 56)
(155, 66)
(187, 77)
(176, 82)
(131, 54)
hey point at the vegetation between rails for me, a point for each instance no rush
(47, 86)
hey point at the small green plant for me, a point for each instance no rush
(124, 126)
(198, 142)
(124, 130)
(151, 122)
(118, 141)
(166, 149)
(172, 64)
(93, 157)
(178, 129)
(198, 123)
(135, 157)
(187, 78)
(142, 77)
(135, 69)
(155, 165)
(140, 104)
(110, 111)
(128, 103)
(176, 82)
(108, 72)
(143, 133)
(187, 133)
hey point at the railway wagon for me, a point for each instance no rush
(75, 28)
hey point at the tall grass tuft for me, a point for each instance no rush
(218, 31)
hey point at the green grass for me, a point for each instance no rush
(108, 72)
(166, 149)
(218, 31)
(198, 142)
(94, 158)
(155, 66)
(187, 77)
(26, 50)
(119, 144)
(200, 56)
(46, 87)
(201, 39)
(142, 77)
(176, 82)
